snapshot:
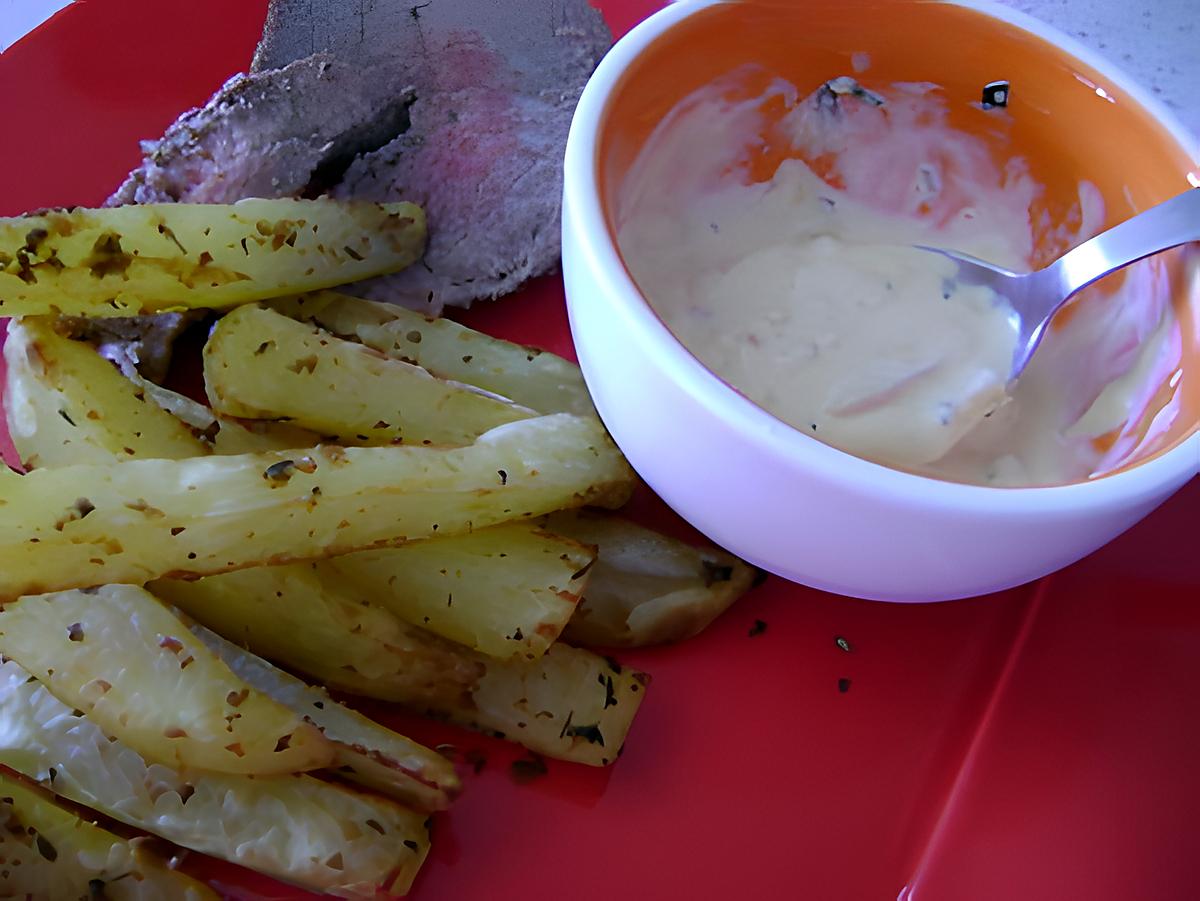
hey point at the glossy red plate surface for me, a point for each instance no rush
(1037, 744)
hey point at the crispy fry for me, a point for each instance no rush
(318, 835)
(646, 588)
(79, 526)
(66, 404)
(150, 258)
(507, 591)
(120, 656)
(534, 378)
(259, 364)
(50, 853)
(364, 751)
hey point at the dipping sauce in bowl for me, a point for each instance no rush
(707, 114)
(772, 231)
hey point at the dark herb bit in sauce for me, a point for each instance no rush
(757, 629)
(843, 644)
(843, 685)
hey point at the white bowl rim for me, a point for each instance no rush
(582, 198)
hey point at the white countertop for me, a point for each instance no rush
(1155, 41)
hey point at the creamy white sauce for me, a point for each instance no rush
(812, 301)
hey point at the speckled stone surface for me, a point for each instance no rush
(1157, 42)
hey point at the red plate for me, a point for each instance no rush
(1037, 744)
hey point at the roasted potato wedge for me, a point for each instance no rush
(646, 588)
(50, 853)
(507, 591)
(301, 622)
(66, 404)
(364, 751)
(135, 669)
(533, 378)
(149, 258)
(290, 615)
(259, 364)
(315, 834)
(221, 434)
(569, 704)
(133, 521)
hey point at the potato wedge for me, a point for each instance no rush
(646, 588)
(149, 258)
(66, 404)
(135, 669)
(251, 436)
(133, 521)
(290, 615)
(507, 591)
(50, 853)
(315, 834)
(259, 364)
(364, 751)
(569, 704)
(534, 378)
(547, 705)
(221, 434)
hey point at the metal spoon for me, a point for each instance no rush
(1035, 297)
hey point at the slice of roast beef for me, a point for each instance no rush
(271, 134)
(460, 105)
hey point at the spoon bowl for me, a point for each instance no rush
(1036, 296)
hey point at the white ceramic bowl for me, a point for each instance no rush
(777, 497)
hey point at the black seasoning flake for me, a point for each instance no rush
(613, 665)
(757, 629)
(590, 733)
(410, 844)
(843, 685)
(610, 696)
(279, 473)
(526, 769)
(46, 849)
(96, 890)
(503, 476)
(843, 644)
(75, 632)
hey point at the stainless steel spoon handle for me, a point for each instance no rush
(1174, 222)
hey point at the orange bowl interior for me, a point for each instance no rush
(1067, 120)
